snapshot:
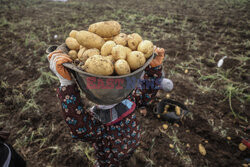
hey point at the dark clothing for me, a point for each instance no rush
(9, 157)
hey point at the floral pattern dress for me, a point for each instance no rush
(114, 142)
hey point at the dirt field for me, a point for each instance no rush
(195, 34)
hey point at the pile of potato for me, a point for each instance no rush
(103, 50)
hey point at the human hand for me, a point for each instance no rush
(56, 60)
(158, 58)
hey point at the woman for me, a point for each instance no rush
(112, 129)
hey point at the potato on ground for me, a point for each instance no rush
(105, 29)
(242, 147)
(177, 110)
(119, 52)
(72, 43)
(89, 39)
(72, 54)
(122, 67)
(202, 150)
(146, 47)
(88, 53)
(107, 48)
(121, 39)
(73, 33)
(98, 65)
(80, 52)
(136, 59)
(134, 40)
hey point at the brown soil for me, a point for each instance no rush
(219, 29)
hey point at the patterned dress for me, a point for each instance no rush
(115, 141)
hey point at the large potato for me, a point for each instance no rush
(122, 67)
(88, 53)
(134, 40)
(89, 39)
(119, 52)
(107, 48)
(105, 29)
(72, 54)
(80, 52)
(72, 43)
(98, 65)
(121, 39)
(146, 47)
(136, 59)
(73, 33)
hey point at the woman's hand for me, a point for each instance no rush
(158, 58)
(56, 60)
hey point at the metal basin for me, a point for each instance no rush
(106, 90)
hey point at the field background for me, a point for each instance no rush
(195, 35)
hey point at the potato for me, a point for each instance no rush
(88, 53)
(177, 110)
(82, 47)
(110, 57)
(146, 47)
(72, 43)
(107, 48)
(176, 125)
(73, 33)
(242, 147)
(121, 39)
(136, 59)
(72, 54)
(119, 52)
(122, 67)
(108, 39)
(134, 40)
(89, 39)
(105, 29)
(165, 126)
(166, 109)
(128, 50)
(80, 52)
(202, 150)
(98, 65)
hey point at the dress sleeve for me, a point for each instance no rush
(82, 124)
(148, 86)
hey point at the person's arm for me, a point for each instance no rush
(152, 80)
(74, 113)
